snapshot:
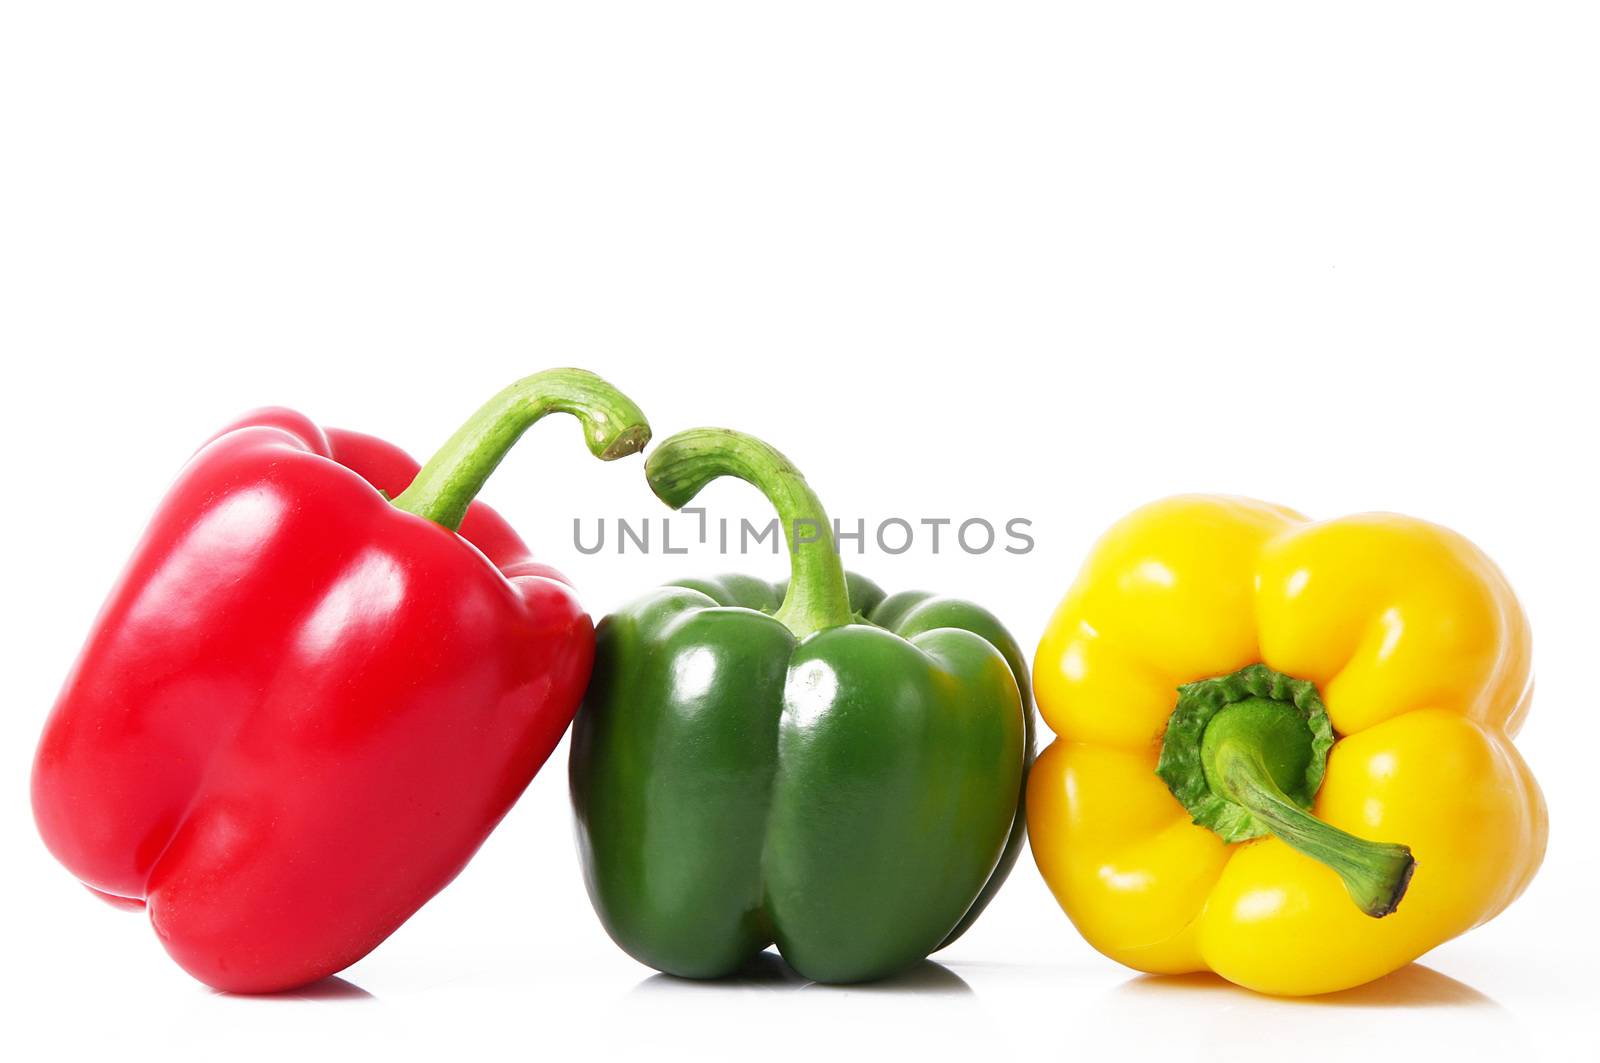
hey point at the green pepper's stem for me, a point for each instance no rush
(680, 467)
(613, 427)
(1375, 873)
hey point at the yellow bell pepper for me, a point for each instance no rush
(1395, 641)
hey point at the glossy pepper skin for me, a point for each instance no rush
(1420, 653)
(757, 764)
(304, 707)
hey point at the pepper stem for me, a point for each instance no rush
(1376, 874)
(613, 427)
(679, 468)
(1245, 754)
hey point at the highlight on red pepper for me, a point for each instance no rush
(304, 706)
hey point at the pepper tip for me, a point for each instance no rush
(630, 440)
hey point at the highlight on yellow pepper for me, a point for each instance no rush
(1284, 747)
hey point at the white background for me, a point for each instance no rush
(957, 259)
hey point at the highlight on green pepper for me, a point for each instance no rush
(811, 764)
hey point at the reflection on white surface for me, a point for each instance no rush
(1415, 1011)
(767, 971)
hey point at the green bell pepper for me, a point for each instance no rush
(813, 764)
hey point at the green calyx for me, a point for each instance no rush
(1296, 735)
(613, 427)
(1245, 754)
(679, 468)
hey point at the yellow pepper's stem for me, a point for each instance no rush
(1375, 873)
(1245, 754)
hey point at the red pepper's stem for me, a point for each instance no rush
(613, 427)
(678, 468)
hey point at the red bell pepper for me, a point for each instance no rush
(304, 706)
